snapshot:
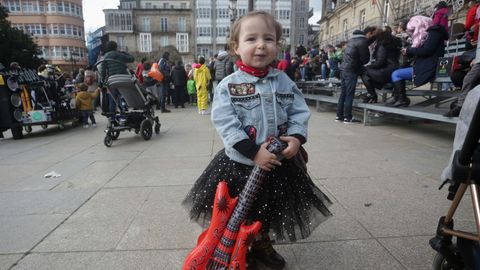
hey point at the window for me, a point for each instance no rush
(121, 42)
(205, 52)
(182, 24)
(13, 5)
(303, 7)
(164, 41)
(222, 13)
(183, 5)
(362, 19)
(204, 31)
(146, 24)
(284, 14)
(60, 7)
(301, 39)
(145, 42)
(163, 24)
(330, 33)
(345, 29)
(286, 32)
(204, 13)
(221, 31)
(165, 5)
(148, 5)
(182, 42)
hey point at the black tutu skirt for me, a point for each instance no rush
(289, 205)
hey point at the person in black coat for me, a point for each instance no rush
(179, 80)
(383, 61)
(355, 56)
(424, 64)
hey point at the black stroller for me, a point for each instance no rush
(136, 106)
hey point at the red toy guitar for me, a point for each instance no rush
(225, 242)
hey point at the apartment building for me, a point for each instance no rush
(56, 26)
(341, 17)
(148, 27)
(214, 17)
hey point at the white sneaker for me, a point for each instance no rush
(85, 126)
(94, 125)
(200, 112)
(205, 112)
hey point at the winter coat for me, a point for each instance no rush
(426, 56)
(471, 20)
(179, 76)
(202, 77)
(114, 68)
(386, 54)
(272, 105)
(84, 100)
(356, 54)
(220, 66)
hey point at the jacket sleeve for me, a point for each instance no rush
(363, 53)
(225, 119)
(428, 48)
(298, 114)
(470, 19)
(381, 59)
(125, 57)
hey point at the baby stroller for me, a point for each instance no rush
(136, 108)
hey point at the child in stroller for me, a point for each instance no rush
(136, 105)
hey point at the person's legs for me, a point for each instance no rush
(469, 82)
(175, 96)
(202, 99)
(324, 71)
(350, 84)
(371, 94)
(85, 118)
(92, 117)
(341, 98)
(399, 95)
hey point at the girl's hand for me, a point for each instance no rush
(292, 148)
(266, 160)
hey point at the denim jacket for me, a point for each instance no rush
(248, 107)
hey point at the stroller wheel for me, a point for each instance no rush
(146, 129)
(28, 129)
(115, 135)
(157, 128)
(108, 141)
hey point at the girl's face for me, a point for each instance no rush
(257, 43)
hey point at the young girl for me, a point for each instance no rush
(256, 102)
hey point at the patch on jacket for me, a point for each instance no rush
(242, 89)
(251, 132)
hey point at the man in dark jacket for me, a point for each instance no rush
(118, 66)
(164, 67)
(355, 56)
(179, 80)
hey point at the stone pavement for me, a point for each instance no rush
(119, 207)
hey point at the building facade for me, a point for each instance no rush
(56, 26)
(145, 28)
(96, 41)
(214, 17)
(341, 17)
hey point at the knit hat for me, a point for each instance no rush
(358, 32)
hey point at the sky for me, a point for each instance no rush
(94, 17)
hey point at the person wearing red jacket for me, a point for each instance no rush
(139, 70)
(472, 21)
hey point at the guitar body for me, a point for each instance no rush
(223, 206)
(245, 237)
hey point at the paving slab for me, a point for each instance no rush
(6, 261)
(413, 252)
(22, 233)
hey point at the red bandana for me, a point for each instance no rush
(251, 70)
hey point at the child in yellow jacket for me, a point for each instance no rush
(202, 77)
(84, 102)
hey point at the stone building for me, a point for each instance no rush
(57, 28)
(214, 17)
(341, 17)
(150, 27)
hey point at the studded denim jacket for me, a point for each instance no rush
(248, 107)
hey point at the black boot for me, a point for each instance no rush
(402, 100)
(371, 96)
(454, 112)
(251, 262)
(263, 251)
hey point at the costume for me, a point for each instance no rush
(249, 108)
(202, 77)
